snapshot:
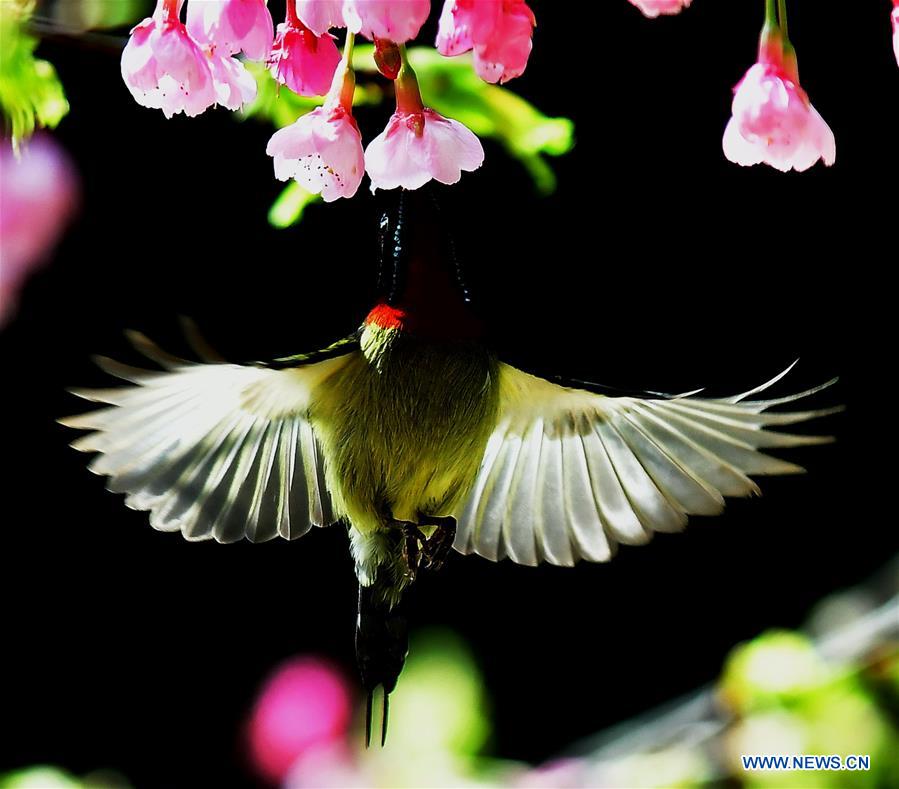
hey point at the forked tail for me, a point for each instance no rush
(382, 643)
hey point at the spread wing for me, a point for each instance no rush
(217, 451)
(568, 474)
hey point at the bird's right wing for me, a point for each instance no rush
(219, 451)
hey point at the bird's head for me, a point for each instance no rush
(421, 283)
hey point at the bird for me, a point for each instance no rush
(419, 439)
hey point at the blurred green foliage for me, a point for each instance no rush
(788, 700)
(450, 86)
(31, 94)
(289, 206)
(81, 15)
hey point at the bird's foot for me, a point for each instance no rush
(437, 547)
(434, 550)
(413, 540)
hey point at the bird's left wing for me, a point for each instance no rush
(219, 451)
(567, 474)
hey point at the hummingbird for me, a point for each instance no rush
(419, 439)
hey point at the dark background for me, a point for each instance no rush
(656, 264)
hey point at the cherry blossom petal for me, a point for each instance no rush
(653, 8)
(396, 20)
(773, 120)
(895, 22)
(505, 53)
(303, 61)
(322, 151)
(234, 85)
(466, 22)
(320, 15)
(499, 31)
(418, 147)
(232, 25)
(164, 68)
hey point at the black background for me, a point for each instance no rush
(656, 264)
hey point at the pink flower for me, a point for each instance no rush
(40, 193)
(234, 85)
(895, 20)
(322, 151)
(499, 31)
(773, 120)
(320, 15)
(652, 8)
(396, 20)
(163, 66)
(304, 708)
(300, 59)
(232, 25)
(418, 146)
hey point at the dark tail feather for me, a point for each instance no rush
(382, 643)
(368, 700)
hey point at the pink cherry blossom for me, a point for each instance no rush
(320, 15)
(895, 20)
(40, 193)
(418, 146)
(164, 68)
(300, 59)
(773, 120)
(652, 8)
(396, 20)
(234, 85)
(232, 25)
(499, 31)
(322, 151)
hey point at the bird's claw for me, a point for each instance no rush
(413, 541)
(434, 550)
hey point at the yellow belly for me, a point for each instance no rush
(403, 433)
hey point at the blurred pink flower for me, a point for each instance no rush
(330, 766)
(499, 31)
(304, 706)
(300, 59)
(652, 8)
(773, 120)
(895, 19)
(164, 68)
(320, 15)
(232, 25)
(396, 20)
(418, 146)
(39, 195)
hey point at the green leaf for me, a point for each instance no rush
(31, 94)
(289, 206)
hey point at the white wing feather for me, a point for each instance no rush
(568, 474)
(217, 451)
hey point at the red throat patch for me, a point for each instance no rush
(386, 317)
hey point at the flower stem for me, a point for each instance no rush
(782, 16)
(348, 47)
(292, 19)
(770, 14)
(408, 95)
(344, 84)
(171, 10)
